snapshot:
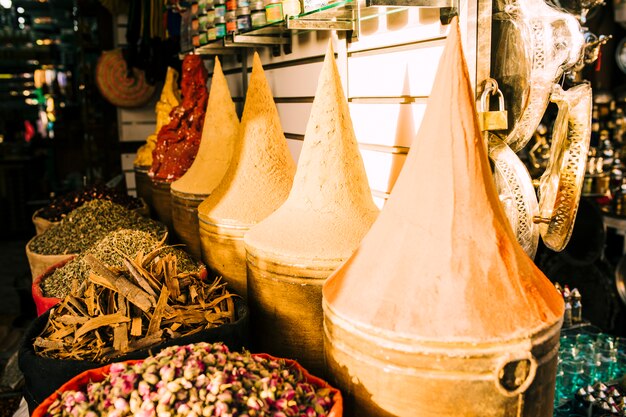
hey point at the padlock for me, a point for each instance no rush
(492, 120)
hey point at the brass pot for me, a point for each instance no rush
(185, 220)
(143, 184)
(223, 252)
(285, 302)
(162, 202)
(383, 375)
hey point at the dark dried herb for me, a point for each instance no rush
(64, 204)
(87, 224)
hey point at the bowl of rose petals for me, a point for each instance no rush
(201, 379)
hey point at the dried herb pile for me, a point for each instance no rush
(62, 205)
(121, 310)
(87, 224)
(198, 380)
(111, 250)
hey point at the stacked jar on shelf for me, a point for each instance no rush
(214, 19)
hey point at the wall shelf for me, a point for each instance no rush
(342, 15)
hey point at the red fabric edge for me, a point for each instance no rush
(43, 303)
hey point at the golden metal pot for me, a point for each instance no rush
(162, 202)
(185, 220)
(143, 184)
(285, 301)
(381, 374)
(223, 251)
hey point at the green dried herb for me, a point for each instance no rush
(111, 250)
(84, 226)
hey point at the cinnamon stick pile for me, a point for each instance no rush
(120, 310)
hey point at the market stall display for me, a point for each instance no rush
(219, 134)
(60, 206)
(440, 312)
(256, 183)
(169, 99)
(516, 193)
(178, 141)
(292, 252)
(80, 229)
(203, 379)
(561, 185)
(536, 44)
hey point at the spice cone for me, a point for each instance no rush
(328, 211)
(439, 293)
(256, 183)
(219, 133)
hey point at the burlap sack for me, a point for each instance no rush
(40, 263)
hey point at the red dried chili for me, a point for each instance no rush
(178, 141)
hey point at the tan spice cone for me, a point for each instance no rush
(219, 134)
(256, 183)
(293, 251)
(440, 312)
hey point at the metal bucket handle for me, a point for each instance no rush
(515, 373)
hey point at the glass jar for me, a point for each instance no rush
(210, 17)
(273, 11)
(244, 21)
(211, 34)
(231, 22)
(257, 15)
(220, 10)
(220, 27)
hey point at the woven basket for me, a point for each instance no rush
(41, 263)
(116, 86)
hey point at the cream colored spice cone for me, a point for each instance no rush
(219, 134)
(256, 183)
(440, 312)
(293, 251)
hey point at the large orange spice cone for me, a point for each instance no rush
(292, 252)
(219, 134)
(440, 312)
(256, 183)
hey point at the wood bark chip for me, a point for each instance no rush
(133, 293)
(114, 316)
